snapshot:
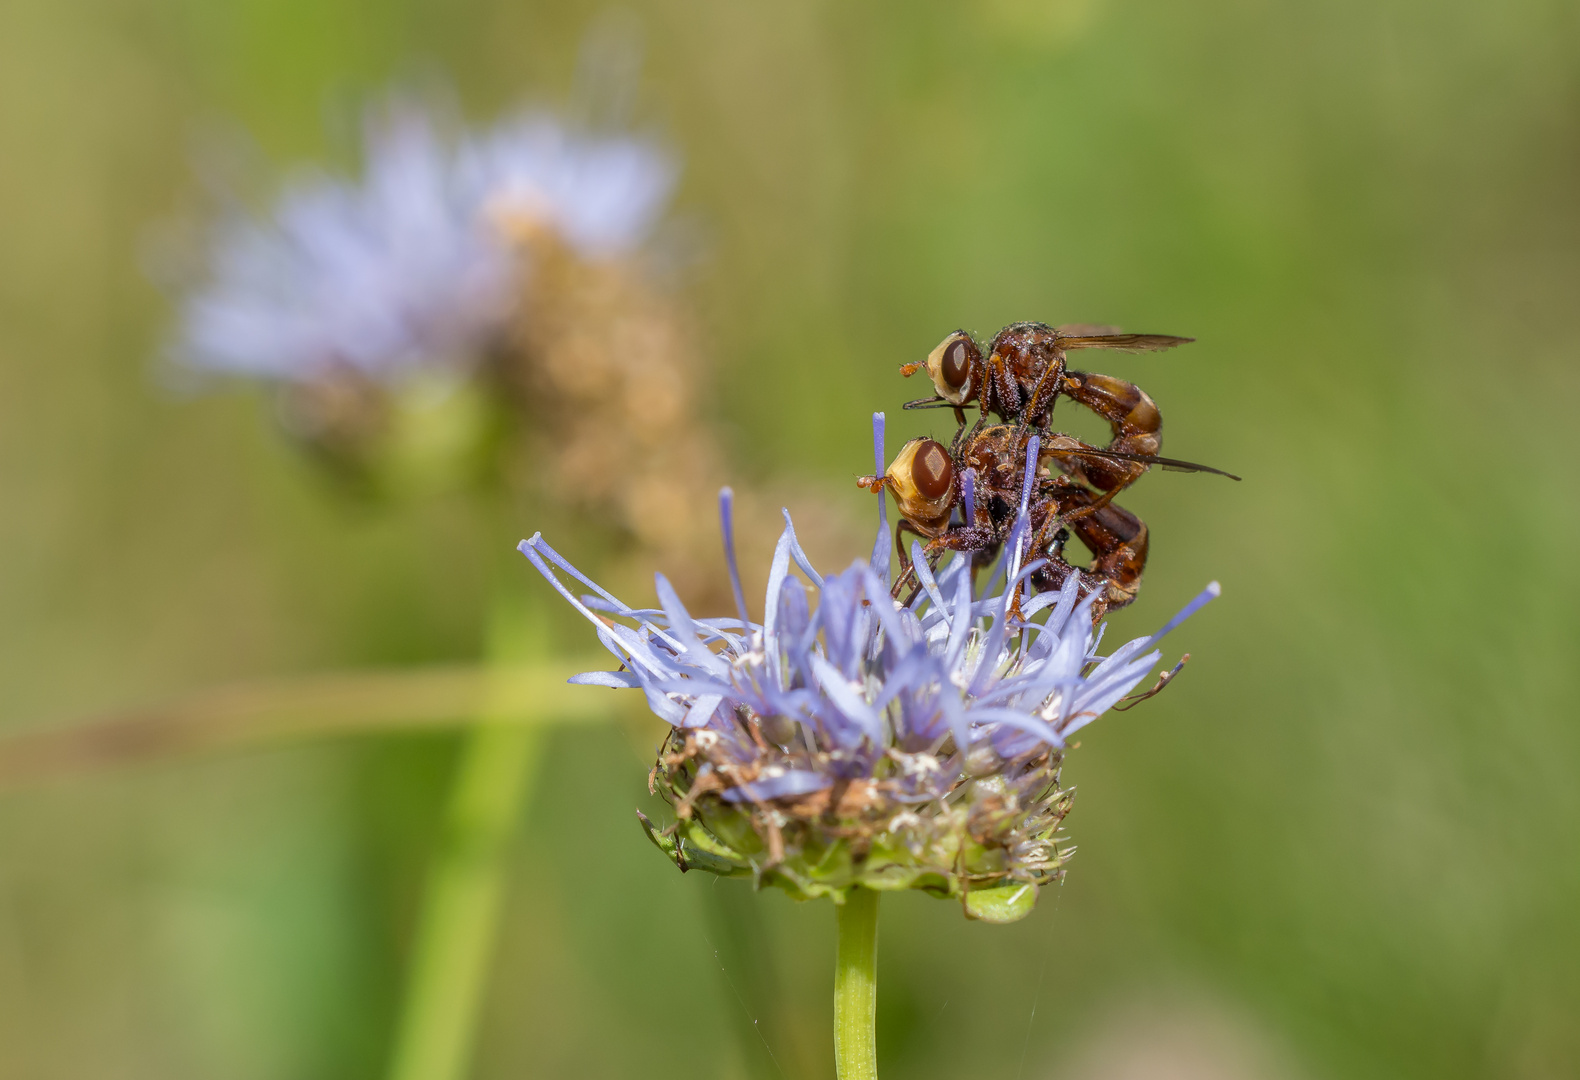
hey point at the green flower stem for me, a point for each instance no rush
(856, 986)
(459, 920)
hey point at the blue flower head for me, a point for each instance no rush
(407, 268)
(401, 312)
(850, 739)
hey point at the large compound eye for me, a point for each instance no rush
(955, 366)
(950, 365)
(931, 470)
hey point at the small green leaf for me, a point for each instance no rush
(1004, 904)
(693, 849)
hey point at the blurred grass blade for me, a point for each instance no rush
(458, 924)
(308, 707)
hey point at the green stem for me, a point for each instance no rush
(459, 920)
(856, 986)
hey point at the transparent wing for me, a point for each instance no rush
(1170, 464)
(1122, 342)
(1085, 329)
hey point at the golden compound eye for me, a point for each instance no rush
(955, 367)
(931, 470)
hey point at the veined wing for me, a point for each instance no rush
(1171, 465)
(1123, 342)
(1086, 329)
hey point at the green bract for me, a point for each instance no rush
(991, 842)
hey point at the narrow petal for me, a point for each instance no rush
(800, 556)
(1201, 600)
(1016, 719)
(701, 711)
(880, 547)
(846, 698)
(924, 574)
(684, 631)
(727, 526)
(619, 680)
(785, 785)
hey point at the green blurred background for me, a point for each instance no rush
(1344, 845)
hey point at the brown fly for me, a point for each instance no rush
(1022, 377)
(966, 497)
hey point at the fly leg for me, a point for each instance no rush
(1001, 393)
(908, 574)
(1117, 539)
(957, 444)
(967, 538)
(900, 530)
(970, 538)
(1037, 410)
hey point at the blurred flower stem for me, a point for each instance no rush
(459, 920)
(856, 986)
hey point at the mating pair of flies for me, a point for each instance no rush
(981, 473)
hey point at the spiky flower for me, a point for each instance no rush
(850, 739)
(387, 309)
(413, 265)
(480, 304)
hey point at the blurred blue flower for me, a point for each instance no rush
(413, 265)
(925, 738)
